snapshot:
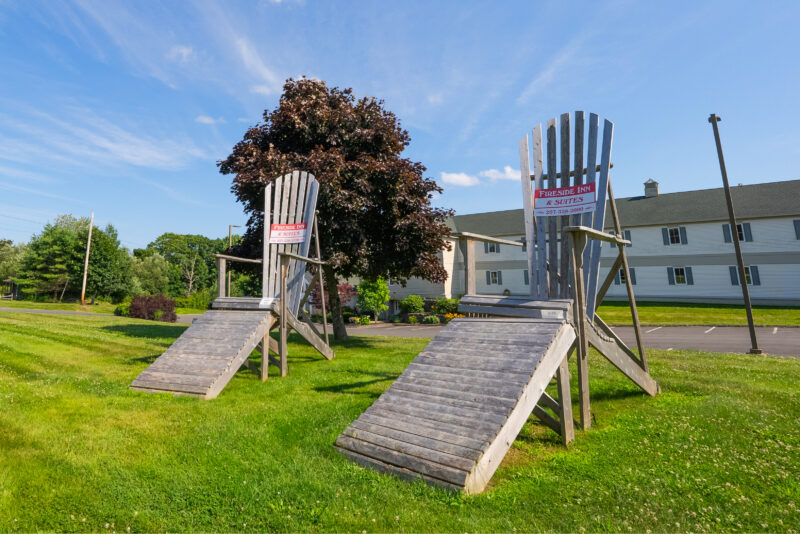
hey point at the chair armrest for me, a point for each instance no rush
(234, 258)
(596, 234)
(486, 238)
(301, 258)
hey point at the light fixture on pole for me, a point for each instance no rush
(230, 244)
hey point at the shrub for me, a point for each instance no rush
(153, 307)
(412, 304)
(430, 319)
(196, 301)
(413, 319)
(445, 305)
(364, 320)
(396, 319)
(124, 308)
(373, 296)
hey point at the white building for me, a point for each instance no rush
(681, 249)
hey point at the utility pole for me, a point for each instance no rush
(714, 119)
(86, 261)
(230, 244)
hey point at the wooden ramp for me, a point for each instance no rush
(453, 414)
(207, 355)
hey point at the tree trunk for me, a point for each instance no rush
(339, 330)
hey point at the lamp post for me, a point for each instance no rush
(714, 119)
(230, 244)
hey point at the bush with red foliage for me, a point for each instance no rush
(154, 308)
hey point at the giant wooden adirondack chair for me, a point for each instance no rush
(207, 355)
(453, 414)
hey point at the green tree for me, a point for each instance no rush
(190, 257)
(375, 213)
(10, 258)
(151, 273)
(373, 296)
(48, 260)
(109, 272)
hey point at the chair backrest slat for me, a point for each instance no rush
(291, 199)
(542, 233)
(563, 268)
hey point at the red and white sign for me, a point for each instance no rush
(287, 233)
(564, 200)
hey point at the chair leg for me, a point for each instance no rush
(265, 358)
(565, 402)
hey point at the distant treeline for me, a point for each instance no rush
(177, 265)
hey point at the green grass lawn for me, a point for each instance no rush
(99, 307)
(718, 450)
(657, 313)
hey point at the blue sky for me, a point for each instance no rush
(124, 107)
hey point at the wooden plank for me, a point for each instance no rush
(444, 349)
(580, 119)
(410, 449)
(621, 359)
(493, 455)
(457, 435)
(541, 238)
(527, 210)
(512, 312)
(591, 166)
(170, 388)
(502, 376)
(550, 402)
(449, 406)
(552, 222)
(453, 414)
(389, 469)
(507, 393)
(406, 390)
(296, 203)
(599, 219)
(460, 395)
(308, 216)
(566, 426)
(474, 363)
(522, 302)
(532, 340)
(422, 441)
(579, 321)
(388, 456)
(221, 271)
(563, 265)
(272, 273)
(313, 339)
(266, 257)
(486, 428)
(548, 420)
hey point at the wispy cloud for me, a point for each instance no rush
(268, 82)
(205, 119)
(507, 173)
(180, 53)
(460, 179)
(565, 58)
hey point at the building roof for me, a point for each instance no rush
(773, 199)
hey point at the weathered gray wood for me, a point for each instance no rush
(503, 376)
(493, 455)
(552, 222)
(591, 165)
(548, 420)
(512, 311)
(309, 335)
(521, 302)
(266, 260)
(613, 351)
(382, 467)
(389, 456)
(456, 434)
(410, 449)
(550, 402)
(527, 209)
(579, 242)
(270, 275)
(563, 290)
(461, 395)
(397, 390)
(456, 380)
(474, 429)
(540, 241)
(468, 251)
(468, 417)
(566, 428)
(474, 363)
(599, 218)
(612, 274)
(221, 269)
(415, 439)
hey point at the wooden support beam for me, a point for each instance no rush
(579, 314)
(548, 420)
(615, 351)
(486, 238)
(284, 316)
(467, 247)
(221, 275)
(566, 428)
